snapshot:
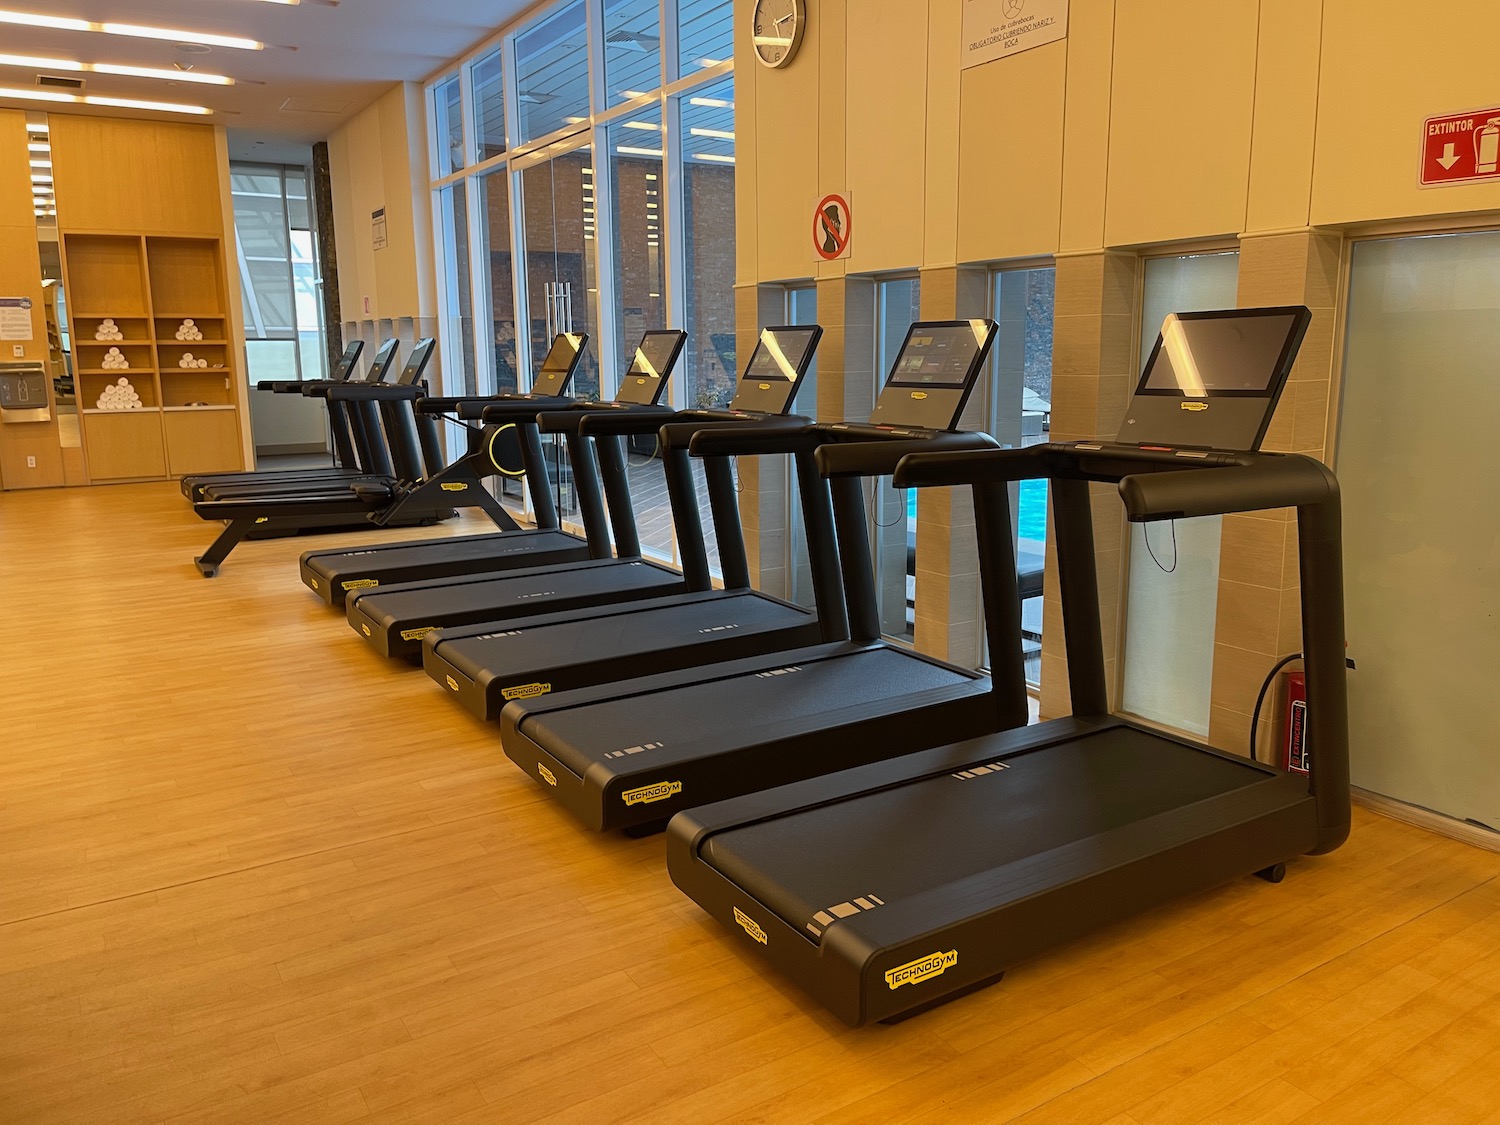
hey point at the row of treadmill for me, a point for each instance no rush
(881, 826)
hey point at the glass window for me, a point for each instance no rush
(801, 308)
(447, 105)
(632, 48)
(705, 34)
(1018, 414)
(279, 268)
(893, 512)
(552, 73)
(635, 159)
(1173, 588)
(489, 105)
(707, 142)
(458, 335)
(498, 278)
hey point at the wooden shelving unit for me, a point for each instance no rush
(189, 420)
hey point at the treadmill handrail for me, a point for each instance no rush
(577, 420)
(523, 407)
(864, 457)
(777, 433)
(375, 392)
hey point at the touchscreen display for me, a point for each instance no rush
(562, 353)
(780, 354)
(938, 355)
(655, 352)
(1231, 354)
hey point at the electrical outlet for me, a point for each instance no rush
(18, 350)
(30, 462)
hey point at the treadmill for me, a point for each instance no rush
(483, 666)
(897, 886)
(395, 618)
(349, 442)
(512, 419)
(627, 755)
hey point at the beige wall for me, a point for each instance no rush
(1178, 120)
(379, 159)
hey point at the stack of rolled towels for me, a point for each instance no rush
(187, 360)
(189, 331)
(108, 330)
(115, 360)
(119, 395)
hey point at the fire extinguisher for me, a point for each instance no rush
(1487, 147)
(1294, 723)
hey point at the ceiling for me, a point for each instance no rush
(324, 60)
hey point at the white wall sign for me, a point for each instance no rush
(996, 28)
(377, 229)
(15, 318)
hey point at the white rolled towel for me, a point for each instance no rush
(203, 363)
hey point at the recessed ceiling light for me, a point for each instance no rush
(712, 103)
(642, 125)
(33, 62)
(30, 19)
(41, 163)
(721, 134)
(631, 150)
(38, 146)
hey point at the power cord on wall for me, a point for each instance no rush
(1265, 687)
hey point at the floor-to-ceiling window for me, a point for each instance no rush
(583, 181)
(1172, 590)
(893, 512)
(801, 308)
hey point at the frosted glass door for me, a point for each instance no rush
(1419, 423)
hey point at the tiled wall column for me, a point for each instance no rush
(1259, 612)
(949, 612)
(1093, 372)
(763, 480)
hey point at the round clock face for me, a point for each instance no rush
(777, 27)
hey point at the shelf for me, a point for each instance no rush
(127, 342)
(193, 409)
(175, 343)
(137, 410)
(116, 372)
(180, 317)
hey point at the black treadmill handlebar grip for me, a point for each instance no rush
(883, 457)
(442, 404)
(375, 392)
(597, 420)
(520, 408)
(738, 437)
(1286, 481)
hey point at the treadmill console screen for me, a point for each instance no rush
(654, 356)
(416, 362)
(561, 356)
(381, 364)
(1230, 352)
(939, 355)
(781, 353)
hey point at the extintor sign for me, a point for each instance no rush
(1461, 147)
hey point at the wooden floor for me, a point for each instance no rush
(252, 873)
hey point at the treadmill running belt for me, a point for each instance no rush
(896, 842)
(678, 717)
(422, 552)
(632, 629)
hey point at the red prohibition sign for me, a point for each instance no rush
(833, 223)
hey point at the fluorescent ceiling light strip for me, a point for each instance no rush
(37, 95)
(718, 134)
(38, 146)
(100, 99)
(135, 31)
(631, 150)
(712, 103)
(714, 157)
(36, 63)
(41, 163)
(38, 128)
(642, 125)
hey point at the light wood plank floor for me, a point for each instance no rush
(252, 874)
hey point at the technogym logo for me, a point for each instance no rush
(913, 972)
(526, 691)
(648, 794)
(454, 486)
(749, 925)
(1194, 406)
(546, 775)
(451, 682)
(361, 584)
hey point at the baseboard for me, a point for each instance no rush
(299, 449)
(1425, 818)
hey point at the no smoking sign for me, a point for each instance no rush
(832, 226)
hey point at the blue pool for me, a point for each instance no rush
(1033, 508)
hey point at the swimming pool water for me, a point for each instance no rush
(1032, 515)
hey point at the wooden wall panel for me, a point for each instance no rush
(153, 177)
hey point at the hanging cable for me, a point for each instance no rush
(1146, 534)
(1261, 698)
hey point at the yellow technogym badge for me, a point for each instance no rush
(546, 775)
(525, 691)
(749, 925)
(360, 584)
(451, 682)
(1195, 406)
(416, 634)
(455, 486)
(923, 968)
(647, 794)
(919, 395)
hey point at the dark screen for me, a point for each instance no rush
(780, 354)
(561, 355)
(1196, 356)
(936, 355)
(652, 357)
